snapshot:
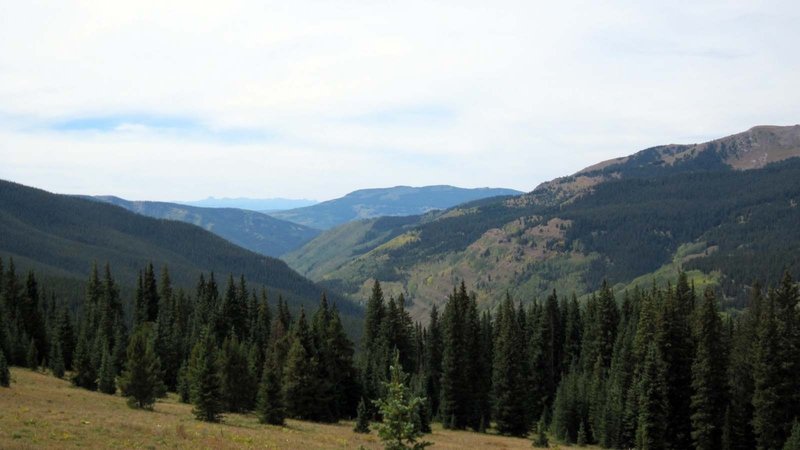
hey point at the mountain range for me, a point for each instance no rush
(252, 230)
(393, 201)
(725, 211)
(62, 236)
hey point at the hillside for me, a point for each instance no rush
(249, 229)
(60, 237)
(394, 201)
(41, 411)
(627, 220)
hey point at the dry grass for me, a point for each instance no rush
(40, 411)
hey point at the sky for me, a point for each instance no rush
(163, 100)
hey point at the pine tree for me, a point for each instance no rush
(793, 443)
(362, 418)
(5, 375)
(184, 385)
(204, 379)
(32, 358)
(270, 406)
(652, 402)
(141, 381)
(397, 430)
(84, 373)
(677, 350)
(582, 438)
(57, 358)
(508, 380)
(106, 383)
(541, 440)
(708, 378)
(237, 384)
(767, 415)
(299, 380)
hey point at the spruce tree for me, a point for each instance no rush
(299, 380)
(708, 378)
(57, 358)
(793, 443)
(141, 381)
(32, 358)
(184, 383)
(107, 374)
(5, 375)
(362, 418)
(767, 414)
(541, 441)
(270, 406)
(508, 379)
(204, 379)
(397, 430)
(84, 373)
(652, 391)
(677, 350)
(237, 383)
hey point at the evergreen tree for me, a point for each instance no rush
(5, 375)
(677, 350)
(270, 406)
(708, 378)
(541, 440)
(300, 384)
(141, 381)
(508, 379)
(184, 387)
(57, 358)
(652, 391)
(793, 443)
(32, 358)
(362, 418)
(767, 414)
(397, 430)
(237, 383)
(84, 373)
(204, 379)
(106, 383)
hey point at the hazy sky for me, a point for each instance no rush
(182, 100)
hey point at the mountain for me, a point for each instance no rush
(61, 236)
(249, 229)
(394, 201)
(725, 211)
(252, 204)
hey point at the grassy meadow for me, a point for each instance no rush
(41, 411)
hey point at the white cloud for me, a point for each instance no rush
(317, 98)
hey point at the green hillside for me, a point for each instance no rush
(727, 210)
(249, 229)
(394, 201)
(60, 237)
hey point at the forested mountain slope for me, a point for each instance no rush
(725, 210)
(61, 236)
(394, 201)
(252, 230)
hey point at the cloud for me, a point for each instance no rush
(182, 100)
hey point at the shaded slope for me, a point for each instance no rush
(394, 201)
(249, 229)
(61, 236)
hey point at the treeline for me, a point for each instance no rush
(660, 368)
(216, 349)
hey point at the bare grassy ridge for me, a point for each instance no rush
(40, 411)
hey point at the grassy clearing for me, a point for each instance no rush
(40, 411)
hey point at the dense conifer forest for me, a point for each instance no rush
(659, 368)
